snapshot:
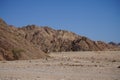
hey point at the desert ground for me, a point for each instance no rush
(90, 65)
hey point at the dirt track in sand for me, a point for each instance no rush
(96, 65)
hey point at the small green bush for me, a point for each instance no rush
(17, 53)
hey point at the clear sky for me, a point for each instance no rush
(95, 19)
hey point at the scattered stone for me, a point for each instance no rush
(118, 67)
(113, 60)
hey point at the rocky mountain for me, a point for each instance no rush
(114, 44)
(50, 40)
(13, 46)
(32, 42)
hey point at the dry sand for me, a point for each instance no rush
(104, 65)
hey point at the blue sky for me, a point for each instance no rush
(95, 19)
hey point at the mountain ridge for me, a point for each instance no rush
(33, 42)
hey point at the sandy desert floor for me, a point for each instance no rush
(95, 65)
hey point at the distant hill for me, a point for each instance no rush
(114, 44)
(33, 42)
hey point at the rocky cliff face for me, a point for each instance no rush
(32, 42)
